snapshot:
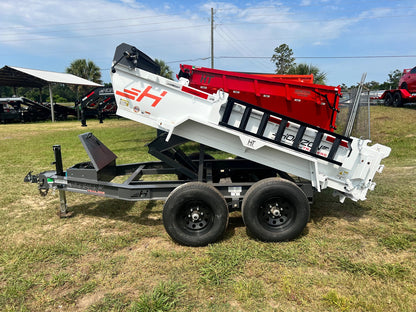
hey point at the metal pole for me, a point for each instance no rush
(369, 124)
(51, 98)
(354, 109)
(212, 37)
(63, 208)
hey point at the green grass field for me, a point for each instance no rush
(116, 256)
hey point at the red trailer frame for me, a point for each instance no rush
(397, 97)
(307, 102)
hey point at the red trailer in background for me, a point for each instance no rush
(294, 96)
(406, 92)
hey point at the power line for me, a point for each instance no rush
(102, 34)
(241, 48)
(191, 60)
(321, 57)
(100, 28)
(320, 20)
(317, 4)
(62, 33)
(85, 22)
(301, 57)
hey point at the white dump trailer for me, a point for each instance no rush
(279, 161)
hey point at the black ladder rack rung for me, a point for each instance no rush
(263, 124)
(299, 135)
(227, 112)
(334, 148)
(245, 118)
(316, 142)
(280, 131)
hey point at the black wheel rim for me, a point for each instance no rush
(195, 216)
(276, 213)
(397, 99)
(388, 99)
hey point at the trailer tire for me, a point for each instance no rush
(275, 210)
(195, 214)
(397, 99)
(388, 99)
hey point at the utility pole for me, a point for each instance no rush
(212, 37)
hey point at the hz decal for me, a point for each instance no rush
(138, 95)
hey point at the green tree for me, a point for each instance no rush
(394, 78)
(372, 85)
(6, 91)
(393, 81)
(283, 59)
(165, 70)
(84, 69)
(305, 69)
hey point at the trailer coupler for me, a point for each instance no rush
(42, 186)
(31, 178)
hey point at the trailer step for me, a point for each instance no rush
(290, 133)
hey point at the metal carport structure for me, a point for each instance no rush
(24, 77)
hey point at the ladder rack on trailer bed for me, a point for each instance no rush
(280, 159)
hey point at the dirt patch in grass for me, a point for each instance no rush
(89, 300)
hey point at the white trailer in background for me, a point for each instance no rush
(280, 160)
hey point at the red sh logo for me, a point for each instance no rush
(138, 95)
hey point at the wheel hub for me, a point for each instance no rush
(275, 211)
(274, 214)
(195, 214)
(196, 218)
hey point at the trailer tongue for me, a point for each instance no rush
(273, 149)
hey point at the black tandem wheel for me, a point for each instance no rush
(195, 214)
(397, 99)
(275, 210)
(388, 99)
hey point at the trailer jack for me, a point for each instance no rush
(43, 185)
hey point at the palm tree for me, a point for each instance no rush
(305, 69)
(165, 70)
(84, 69)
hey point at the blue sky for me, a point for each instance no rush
(344, 38)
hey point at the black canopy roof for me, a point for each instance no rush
(24, 77)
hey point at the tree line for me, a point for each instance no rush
(285, 65)
(282, 58)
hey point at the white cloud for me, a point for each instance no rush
(305, 2)
(30, 34)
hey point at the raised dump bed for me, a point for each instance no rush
(326, 159)
(292, 96)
